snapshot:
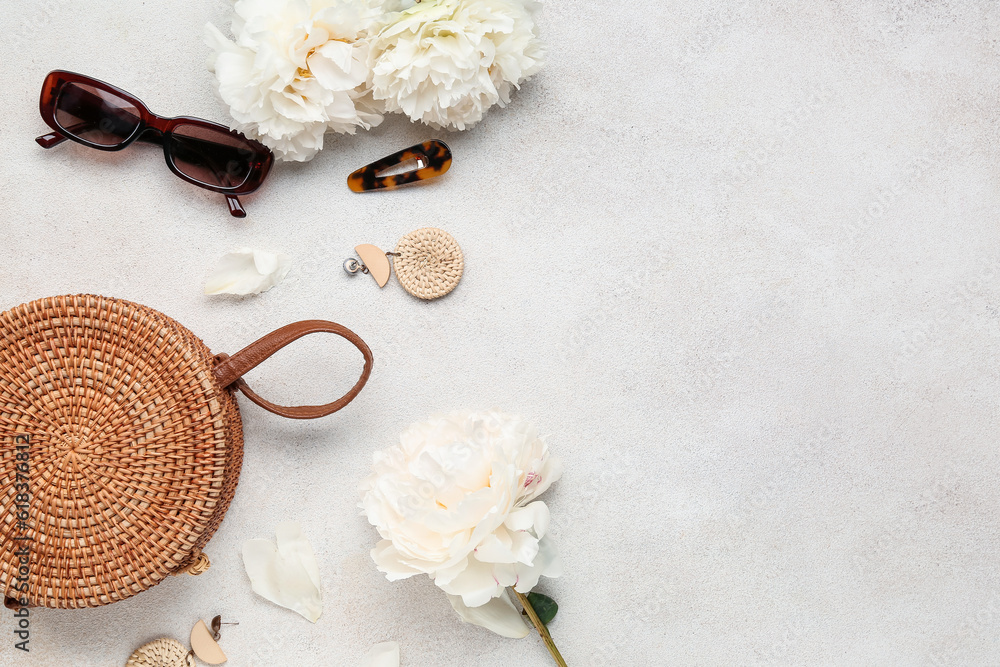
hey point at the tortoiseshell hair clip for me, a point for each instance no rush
(433, 158)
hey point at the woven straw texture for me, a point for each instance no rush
(134, 450)
(428, 263)
(161, 653)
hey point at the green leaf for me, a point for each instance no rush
(544, 606)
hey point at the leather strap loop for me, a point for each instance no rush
(229, 370)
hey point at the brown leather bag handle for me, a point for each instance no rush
(229, 371)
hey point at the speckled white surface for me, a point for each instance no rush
(739, 259)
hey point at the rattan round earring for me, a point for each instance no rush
(428, 263)
(166, 652)
(163, 652)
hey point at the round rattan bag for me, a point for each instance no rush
(120, 445)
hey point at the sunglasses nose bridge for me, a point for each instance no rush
(152, 135)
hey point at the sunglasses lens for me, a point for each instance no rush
(215, 157)
(95, 115)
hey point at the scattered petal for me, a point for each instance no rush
(498, 615)
(385, 654)
(286, 574)
(247, 271)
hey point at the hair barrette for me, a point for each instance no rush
(431, 159)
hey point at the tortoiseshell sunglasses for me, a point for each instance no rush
(97, 114)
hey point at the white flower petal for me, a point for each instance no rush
(332, 65)
(496, 548)
(498, 615)
(385, 654)
(546, 563)
(505, 574)
(247, 271)
(218, 43)
(545, 473)
(525, 547)
(476, 584)
(388, 560)
(446, 575)
(534, 517)
(286, 574)
(293, 547)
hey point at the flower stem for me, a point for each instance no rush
(543, 631)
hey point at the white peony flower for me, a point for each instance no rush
(456, 500)
(445, 62)
(297, 69)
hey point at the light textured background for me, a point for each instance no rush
(739, 259)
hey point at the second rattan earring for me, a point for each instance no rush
(428, 263)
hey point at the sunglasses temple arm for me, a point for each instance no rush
(51, 139)
(235, 207)
(55, 137)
